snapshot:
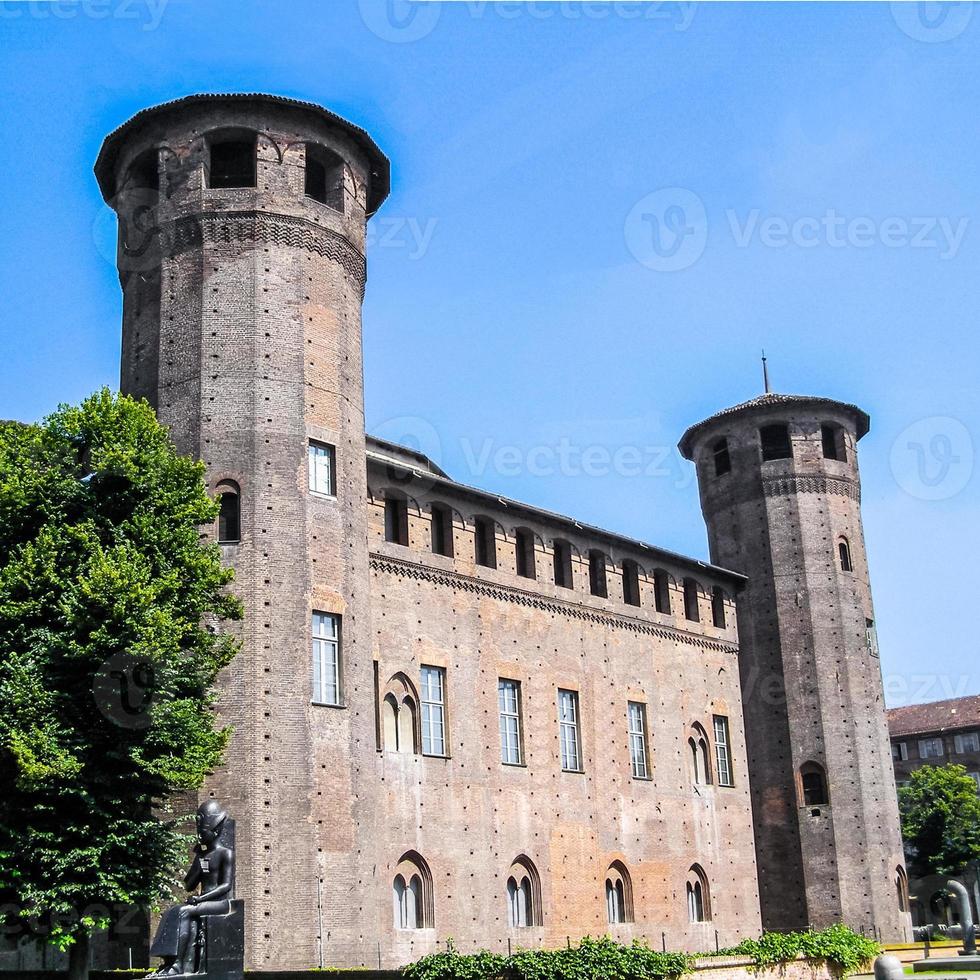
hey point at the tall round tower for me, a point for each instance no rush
(241, 259)
(780, 493)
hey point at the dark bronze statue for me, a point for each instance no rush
(204, 936)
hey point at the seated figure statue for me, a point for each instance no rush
(180, 935)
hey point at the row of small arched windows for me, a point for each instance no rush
(775, 443)
(413, 903)
(485, 554)
(231, 162)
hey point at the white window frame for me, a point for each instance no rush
(723, 751)
(975, 776)
(637, 728)
(926, 753)
(903, 751)
(569, 737)
(325, 640)
(509, 706)
(321, 460)
(961, 745)
(432, 694)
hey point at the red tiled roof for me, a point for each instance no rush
(937, 716)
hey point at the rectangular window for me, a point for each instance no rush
(568, 733)
(775, 442)
(638, 740)
(723, 751)
(433, 696)
(563, 564)
(970, 742)
(442, 530)
(326, 659)
(872, 636)
(930, 748)
(597, 573)
(509, 699)
(396, 520)
(525, 553)
(322, 469)
(485, 542)
(900, 751)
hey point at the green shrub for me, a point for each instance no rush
(838, 944)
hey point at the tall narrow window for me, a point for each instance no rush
(485, 542)
(691, 608)
(619, 894)
(523, 895)
(723, 751)
(442, 530)
(324, 177)
(902, 887)
(698, 903)
(775, 442)
(232, 161)
(871, 636)
(832, 439)
(813, 784)
(639, 756)
(563, 564)
(230, 513)
(844, 553)
(433, 697)
(719, 452)
(326, 659)
(396, 518)
(509, 701)
(322, 471)
(631, 583)
(597, 573)
(524, 543)
(718, 607)
(661, 591)
(700, 764)
(411, 893)
(568, 731)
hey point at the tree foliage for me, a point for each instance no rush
(940, 812)
(110, 642)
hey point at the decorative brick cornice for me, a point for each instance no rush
(521, 597)
(783, 486)
(262, 228)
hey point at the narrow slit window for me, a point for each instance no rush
(722, 460)
(844, 553)
(563, 564)
(661, 591)
(396, 520)
(229, 514)
(597, 573)
(718, 617)
(442, 530)
(525, 552)
(692, 611)
(631, 583)
(485, 542)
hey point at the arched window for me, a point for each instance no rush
(691, 606)
(597, 573)
(524, 545)
(563, 564)
(229, 513)
(719, 453)
(411, 893)
(324, 180)
(399, 716)
(523, 894)
(485, 542)
(619, 894)
(698, 899)
(697, 745)
(396, 517)
(718, 607)
(661, 591)
(775, 442)
(442, 530)
(844, 553)
(231, 159)
(813, 784)
(832, 440)
(902, 888)
(631, 582)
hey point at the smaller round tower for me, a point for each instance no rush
(781, 496)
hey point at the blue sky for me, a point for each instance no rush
(600, 214)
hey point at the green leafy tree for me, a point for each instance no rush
(110, 641)
(940, 812)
